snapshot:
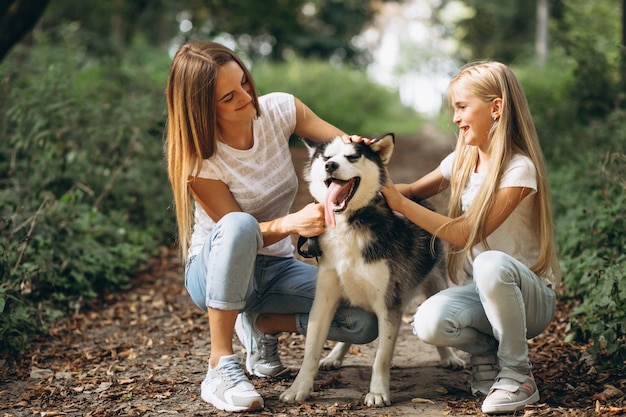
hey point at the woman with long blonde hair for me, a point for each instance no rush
(234, 182)
(500, 234)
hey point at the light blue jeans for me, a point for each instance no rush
(229, 275)
(505, 305)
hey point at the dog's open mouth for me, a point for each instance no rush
(338, 195)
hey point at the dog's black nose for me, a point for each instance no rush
(331, 166)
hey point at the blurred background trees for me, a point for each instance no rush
(84, 199)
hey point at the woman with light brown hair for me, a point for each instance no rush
(234, 182)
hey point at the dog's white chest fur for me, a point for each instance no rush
(362, 283)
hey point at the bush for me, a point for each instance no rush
(548, 92)
(589, 193)
(82, 181)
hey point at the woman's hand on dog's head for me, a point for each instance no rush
(357, 138)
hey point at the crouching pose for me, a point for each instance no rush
(500, 234)
(234, 182)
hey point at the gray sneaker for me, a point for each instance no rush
(484, 369)
(262, 357)
(511, 392)
(227, 387)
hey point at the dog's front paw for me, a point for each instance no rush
(377, 399)
(295, 394)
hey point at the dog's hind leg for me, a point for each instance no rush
(325, 304)
(334, 359)
(435, 281)
(449, 359)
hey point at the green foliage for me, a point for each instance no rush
(287, 28)
(548, 90)
(589, 33)
(589, 184)
(303, 28)
(82, 180)
(585, 38)
(592, 25)
(342, 96)
(497, 29)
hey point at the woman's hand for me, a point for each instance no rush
(308, 221)
(356, 138)
(392, 194)
(404, 189)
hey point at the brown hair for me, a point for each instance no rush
(192, 121)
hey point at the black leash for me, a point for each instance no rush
(313, 249)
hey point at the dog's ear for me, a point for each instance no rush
(310, 145)
(384, 146)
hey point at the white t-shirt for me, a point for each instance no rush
(262, 179)
(517, 235)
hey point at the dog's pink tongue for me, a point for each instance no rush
(329, 207)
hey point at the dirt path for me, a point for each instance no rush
(144, 352)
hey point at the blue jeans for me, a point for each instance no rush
(229, 275)
(505, 305)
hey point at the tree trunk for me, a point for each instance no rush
(542, 33)
(17, 18)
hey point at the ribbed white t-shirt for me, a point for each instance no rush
(262, 179)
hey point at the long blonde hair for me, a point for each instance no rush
(512, 133)
(192, 121)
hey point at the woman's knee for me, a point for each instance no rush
(238, 224)
(238, 232)
(490, 271)
(430, 323)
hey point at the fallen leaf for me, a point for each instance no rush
(51, 413)
(39, 373)
(129, 354)
(63, 375)
(422, 401)
(104, 386)
(126, 381)
(612, 391)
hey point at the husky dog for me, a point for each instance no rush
(370, 256)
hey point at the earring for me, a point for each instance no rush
(494, 118)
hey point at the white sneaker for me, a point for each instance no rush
(484, 369)
(262, 357)
(227, 387)
(511, 392)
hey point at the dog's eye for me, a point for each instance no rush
(353, 158)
